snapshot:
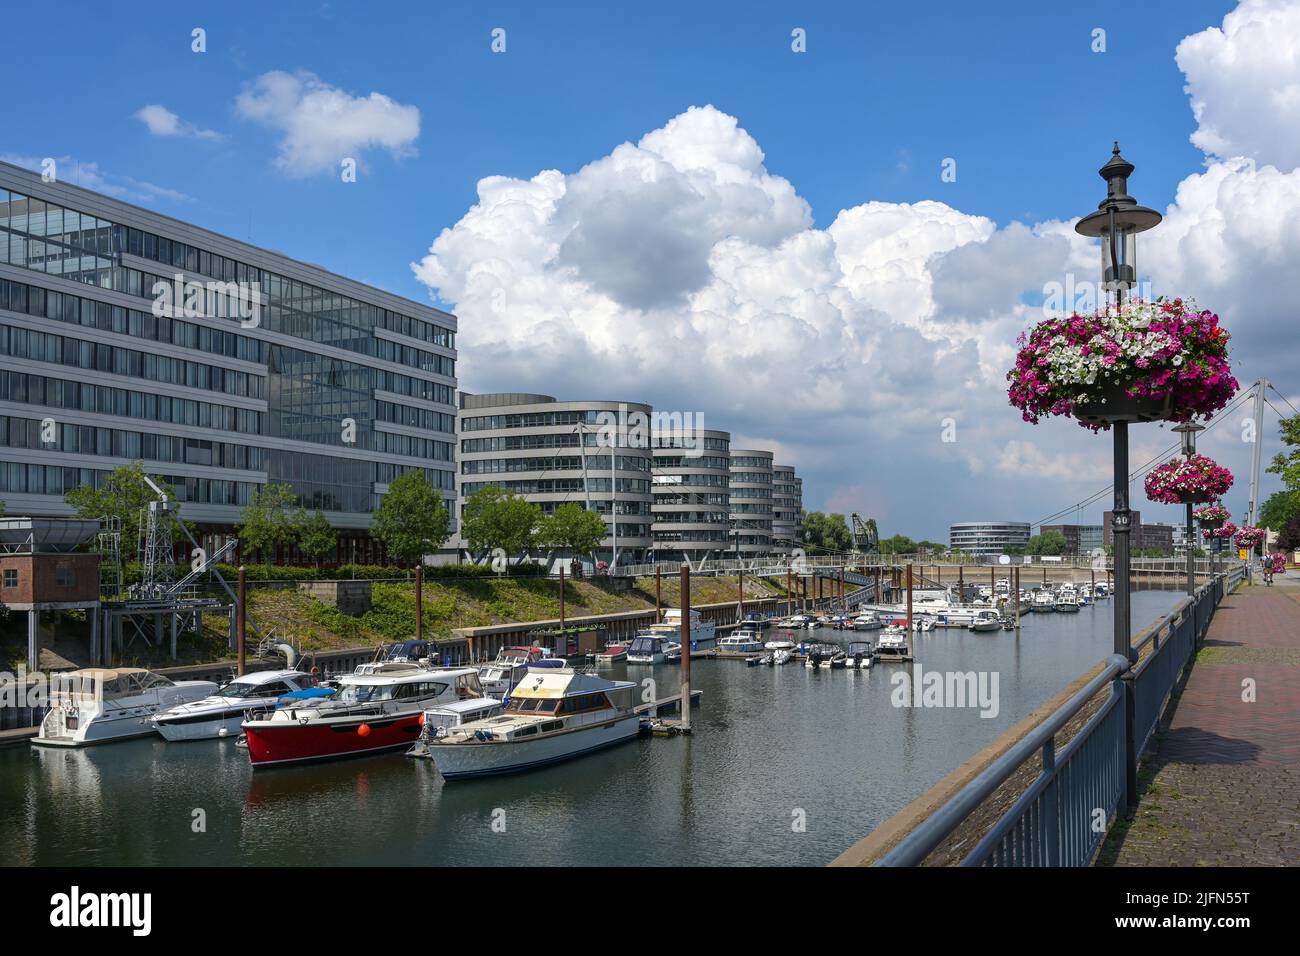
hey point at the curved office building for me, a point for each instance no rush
(751, 501)
(552, 452)
(691, 498)
(988, 537)
(786, 505)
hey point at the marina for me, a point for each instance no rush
(766, 741)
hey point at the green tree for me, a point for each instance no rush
(316, 537)
(571, 527)
(411, 519)
(1049, 542)
(493, 519)
(1287, 464)
(1279, 508)
(898, 544)
(272, 517)
(826, 533)
(1288, 538)
(122, 494)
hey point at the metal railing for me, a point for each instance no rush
(1054, 822)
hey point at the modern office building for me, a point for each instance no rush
(1079, 538)
(692, 498)
(751, 502)
(127, 335)
(551, 452)
(988, 537)
(787, 503)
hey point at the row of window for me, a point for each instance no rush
(20, 478)
(476, 423)
(551, 486)
(701, 498)
(497, 466)
(45, 235)
(50, 392)
(119, 443)
(689, 441)
(705, 480)
(90, 313)
(703, 461)
(691, 517)
(425, 418)
(65, 350)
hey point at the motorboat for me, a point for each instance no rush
(507, 670)
(651, 647)
(781, 657)
(745, 640)
(1067, 599)
(892, 644)
(612, 654)
(552, 716)
(858, 655)
(703, 636)
(922, 622)
(868, 621)
(377, 707)
(780, 644)
(821, 655)
(439, 721)
(98, 705)
(756, 659)
(756, 622)
(221, 714)
(1044, 600)
(797, 621)
(986, 621)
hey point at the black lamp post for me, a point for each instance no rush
(1188, 431)
(1117, 222)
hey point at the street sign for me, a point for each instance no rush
(1243, 554)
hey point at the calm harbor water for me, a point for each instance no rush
(769, 744)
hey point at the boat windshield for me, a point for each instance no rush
(644, 645)
(374, 693)
(236, 689)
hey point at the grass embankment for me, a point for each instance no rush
(448, 605)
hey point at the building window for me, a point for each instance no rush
(65, 577)
(11, 578)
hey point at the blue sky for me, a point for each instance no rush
(873, 319)
(884, 94)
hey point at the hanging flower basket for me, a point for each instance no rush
(1249, 536)
(1212, 516)
(1196, 479)
(1224, 531)
(1142, 362)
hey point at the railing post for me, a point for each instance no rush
(1130, 742)
(1051, 828)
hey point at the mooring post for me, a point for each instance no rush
(686, 646)
(419, 600)
(562, 596)
(658, 594)
(1015, 586)
(740, 594)
(789, 594)
(961, 584)
(911, 646)
(240, 614)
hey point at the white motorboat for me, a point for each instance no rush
(780, 657)
(823, 656)
(221, 714)
(553, 715)
(745, 640)
(986, 621)
(94, 705)
(892, 644)
(1044, 600)
(615, 653)
(441, 720)
(703, 636)
(868, 621)
(1067, 599)
(858, 655)
(651, 647)
(922, 623)
(780, 644)
(507, 670)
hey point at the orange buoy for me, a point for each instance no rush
(363, 730)
(421, 720)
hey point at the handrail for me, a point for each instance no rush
(922, 841)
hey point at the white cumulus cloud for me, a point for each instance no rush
(322, 125)
(160, 121)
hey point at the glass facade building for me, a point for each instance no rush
(988, 537)
(127, 335)
(692, 498)
(787, 508)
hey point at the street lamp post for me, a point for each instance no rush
(1117, 222)
(1188, 431)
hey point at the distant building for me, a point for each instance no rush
(1144, 536)
(751, 502)
(988, 537)
(1079, 538)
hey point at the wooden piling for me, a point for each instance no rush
(419, 600)
(686, 646)
(240, 616)
(562, 596)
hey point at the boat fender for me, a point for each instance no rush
(363, 730)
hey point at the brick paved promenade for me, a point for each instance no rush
(1223, 788)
